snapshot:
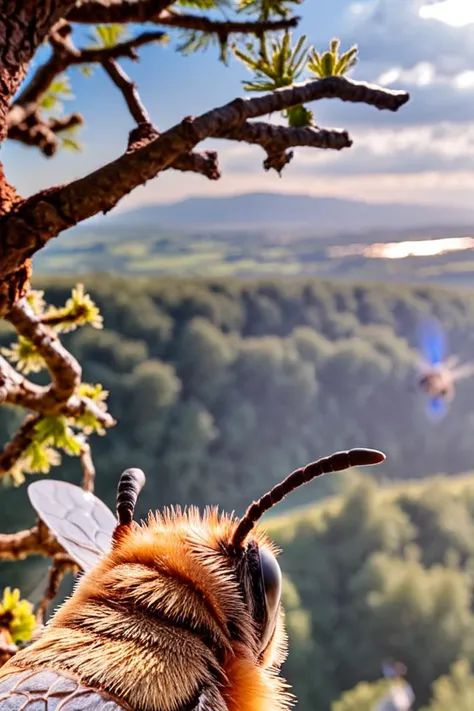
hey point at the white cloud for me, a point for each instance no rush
(456, 13)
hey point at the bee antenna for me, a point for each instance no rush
(339, 461)
(130, 484)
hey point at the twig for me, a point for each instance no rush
(125, 11)
(88, 469)
(128, 90)
(204, 163)
(221, 28)
(21, 440)
(62, 565)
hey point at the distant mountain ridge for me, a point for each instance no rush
(266, 210)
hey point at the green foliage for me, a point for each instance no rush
(331, 63)
(277, 64)
(454, 691)
(16, 617)
(266, 9)
(222, 387)
(58, 91)
(363, 697)
(56, 432)
(108, 35)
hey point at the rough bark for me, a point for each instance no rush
(24, 24)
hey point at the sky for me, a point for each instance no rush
(424, 153)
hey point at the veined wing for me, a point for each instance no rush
(51, 690)
(80, 521)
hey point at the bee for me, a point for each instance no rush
(439, 372)
(179, 613)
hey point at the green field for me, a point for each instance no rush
(246, 254)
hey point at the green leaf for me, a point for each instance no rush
(299, 116)
(86, 69)
(275, 66)
(70, 145)
(266, 9)
(330, 63)
(108, 35)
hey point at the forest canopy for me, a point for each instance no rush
(220, 388)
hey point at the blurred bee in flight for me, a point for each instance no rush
(438, 371)
(179, 613)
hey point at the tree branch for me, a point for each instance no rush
(100, 12)
(23, 26)
(204, 163)
(58, 398)
(35, 541)
(62, 565)
(124, 11)
(31, 224)
(64, 369)
(24, 120)
(221, 28)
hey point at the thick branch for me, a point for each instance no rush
(120, 11)
(64, 369)
(13, 450)
(18, 390)
(124, 11)
(201, 23)
(40, 218)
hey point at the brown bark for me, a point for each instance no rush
(36, 541)
(23, 26)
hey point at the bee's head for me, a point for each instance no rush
(225, 570)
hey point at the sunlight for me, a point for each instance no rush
(401, 250)
(457, 13)
(421, 248)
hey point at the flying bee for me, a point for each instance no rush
(179, 613)
(438, 371)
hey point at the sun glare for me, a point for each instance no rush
(401, 250)
(456, 13)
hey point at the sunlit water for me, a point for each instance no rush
(401, 250)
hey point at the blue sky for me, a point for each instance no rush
(424, 153)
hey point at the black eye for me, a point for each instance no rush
(271, 579)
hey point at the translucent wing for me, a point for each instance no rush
(436, 408)
(80, 521)
(432, 341)
(50, 690)
(463, 371)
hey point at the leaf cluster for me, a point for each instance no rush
(53, 432)
(277, 63)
